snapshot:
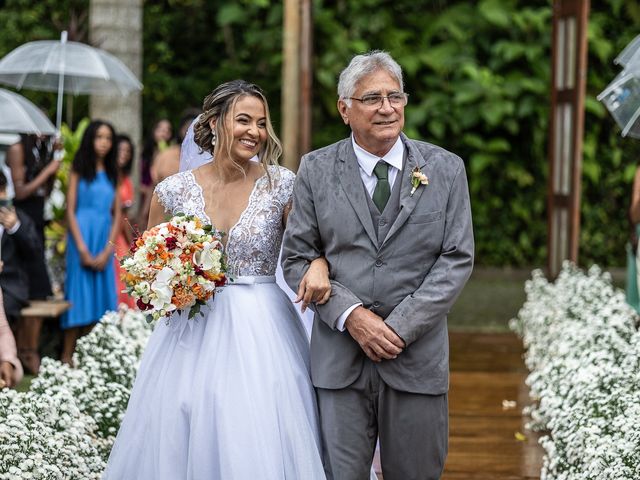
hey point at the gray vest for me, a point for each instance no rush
(382, 221)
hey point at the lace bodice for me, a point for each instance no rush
(253, 244)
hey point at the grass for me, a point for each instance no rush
(493, 296)
(489, 300)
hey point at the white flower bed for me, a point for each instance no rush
(583, 351)
(63, 428)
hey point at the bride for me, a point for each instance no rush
(228, 396)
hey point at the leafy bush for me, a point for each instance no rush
(478, 75)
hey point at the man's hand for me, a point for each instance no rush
(375, 338)
(8, 217)
(6, 375)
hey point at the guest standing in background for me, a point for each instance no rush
(125, 155)
(10, 367)
(33, 170)
(93, 215)
(167, 162)
(633, 295)
(18, 243)
(155, 143)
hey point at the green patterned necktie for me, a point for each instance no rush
(382, 191)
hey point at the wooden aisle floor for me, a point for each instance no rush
(485, 370)
(483, 445)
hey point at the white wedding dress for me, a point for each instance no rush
(226, 396)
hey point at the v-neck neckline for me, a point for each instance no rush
(240, 217)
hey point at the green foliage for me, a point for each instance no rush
(23, 21)
(609, 161)
(226, 40)
(478, 74)
(71, 143)
(55, 231)
(478, 77)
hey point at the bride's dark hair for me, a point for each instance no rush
(221, 101)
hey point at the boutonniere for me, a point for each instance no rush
(417, 178)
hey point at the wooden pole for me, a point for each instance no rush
(297, 78)
(306, 73)
(291, 84)
(569, 65)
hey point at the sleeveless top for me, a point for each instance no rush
(253, 243)
(36, 157)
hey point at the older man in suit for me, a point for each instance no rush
(392, 217)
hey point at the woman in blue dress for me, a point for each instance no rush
(93, 213)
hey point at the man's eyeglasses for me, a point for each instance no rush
(395, 99)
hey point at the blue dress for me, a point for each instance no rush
(90, 292)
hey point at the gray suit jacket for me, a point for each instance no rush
(410, 279)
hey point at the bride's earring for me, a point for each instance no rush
(213, 138)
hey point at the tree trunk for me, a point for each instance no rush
(297, 75)
(116, 26)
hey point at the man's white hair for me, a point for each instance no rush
(361, 66)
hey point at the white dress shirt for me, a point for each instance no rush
(13, 229)
(10, 191)
(367, 162)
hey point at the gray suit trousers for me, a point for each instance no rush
(412, 427)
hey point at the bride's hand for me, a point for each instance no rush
(315, 286)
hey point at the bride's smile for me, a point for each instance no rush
(248, 128)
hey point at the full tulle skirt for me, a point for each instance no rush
(223, 396)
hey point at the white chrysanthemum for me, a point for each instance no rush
(68, 420)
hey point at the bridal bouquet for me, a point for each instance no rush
(174, 266)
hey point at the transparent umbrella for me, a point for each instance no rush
(64, 66)
(622, 99)
(622, 95)
(630, 55)
(19, 115)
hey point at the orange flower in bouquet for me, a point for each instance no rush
(175, 266)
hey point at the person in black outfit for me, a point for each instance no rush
(33, 170)
(18, 243)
